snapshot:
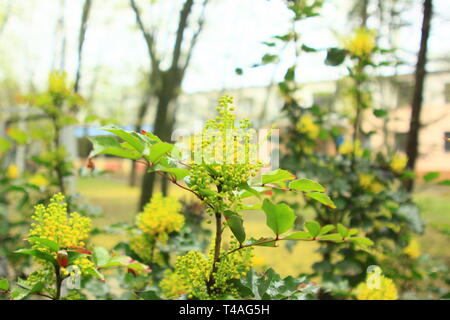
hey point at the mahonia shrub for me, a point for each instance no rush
(160, 218)
(366, 186)
(59, 247)
(220, 167)
(193, 269)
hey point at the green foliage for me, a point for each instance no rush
(270, 286)
(221, 184)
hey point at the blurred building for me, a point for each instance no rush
(262, 105)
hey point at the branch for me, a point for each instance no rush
(6, 16)
(182, 24)
(148, 37)
(277, 239)
(201, 22)
(81, 38)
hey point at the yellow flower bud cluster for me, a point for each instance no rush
(348, 148)
(193, 271)
(67, 230)
(412, 249)
(307, 126)
(12, 172)
(161, 216)
(53, 223)
(386, 290)
(398, 162)
(361, 43)
(39, 180)
(224, 155)
(369, 182)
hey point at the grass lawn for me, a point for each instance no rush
(119, 203)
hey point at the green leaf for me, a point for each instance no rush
(326, 229)
(278, 175)
(250, 190)
(109, 145)
(306, 185)
(101, 256)
(308, 49)
(322, 198)
(430, 176)
(18, 135)
(129, 137)
(380, 113)
(20, 293)
(444, 183)
(45, 242)
(335, 56)
(178, 173)
(299, 235)
(94, 272)
(74, 256)
(269, 58)
(37, 254)
(290, 74)
(313, 227)
(279, 217)
(149, 295)
(343, 231)
(236, 225)
(5, 145)
(158, 150)
(331, 237)
(4, 284)
(362, 241)
(238, 71)
(267, 242)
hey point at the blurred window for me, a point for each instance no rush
(246, 103)
(324, 100)
(447, 93)
(446, 143)
(404, 94)
(400, 141)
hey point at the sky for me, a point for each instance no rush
(232, 38)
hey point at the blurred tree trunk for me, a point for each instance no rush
(412, 145)
(142, 111)
(165, 85)
(5, 17)
(81, 39)
(67, 134)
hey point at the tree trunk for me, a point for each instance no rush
(138, 127)
(162, 129)
(412, 146)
